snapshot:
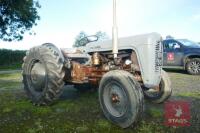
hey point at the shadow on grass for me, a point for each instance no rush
(175, 70)
(69, 92)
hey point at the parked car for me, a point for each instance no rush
(182, 53)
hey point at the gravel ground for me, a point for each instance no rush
(183, 82)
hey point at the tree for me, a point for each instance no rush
(169, 37)
(102, 35)
(79, 38)
(17, 17)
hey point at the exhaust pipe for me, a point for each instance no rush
(115, 30)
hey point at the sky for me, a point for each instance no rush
(62, 20)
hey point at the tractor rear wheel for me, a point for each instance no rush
(43, 74)
(161, 93)
(121, 98)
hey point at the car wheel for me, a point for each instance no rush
(193, 66)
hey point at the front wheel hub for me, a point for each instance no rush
(115, 99)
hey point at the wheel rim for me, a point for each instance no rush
(37, 76)
(156, 92)
(115, 99)
(195, 67)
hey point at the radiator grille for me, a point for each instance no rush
(159, 56)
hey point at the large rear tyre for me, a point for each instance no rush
(43, 74)
(161, 93)
(121, 98)
(193, 66)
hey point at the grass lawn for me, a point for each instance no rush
(75, 112)
(11, 67)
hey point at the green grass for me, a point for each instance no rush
(11, 67)
(190, 94)
(81, 115)
(10, 76)
(9, 85)
(10, 81)
(155, 112)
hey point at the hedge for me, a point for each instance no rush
(11, 57)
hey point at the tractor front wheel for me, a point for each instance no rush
(121, 98)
